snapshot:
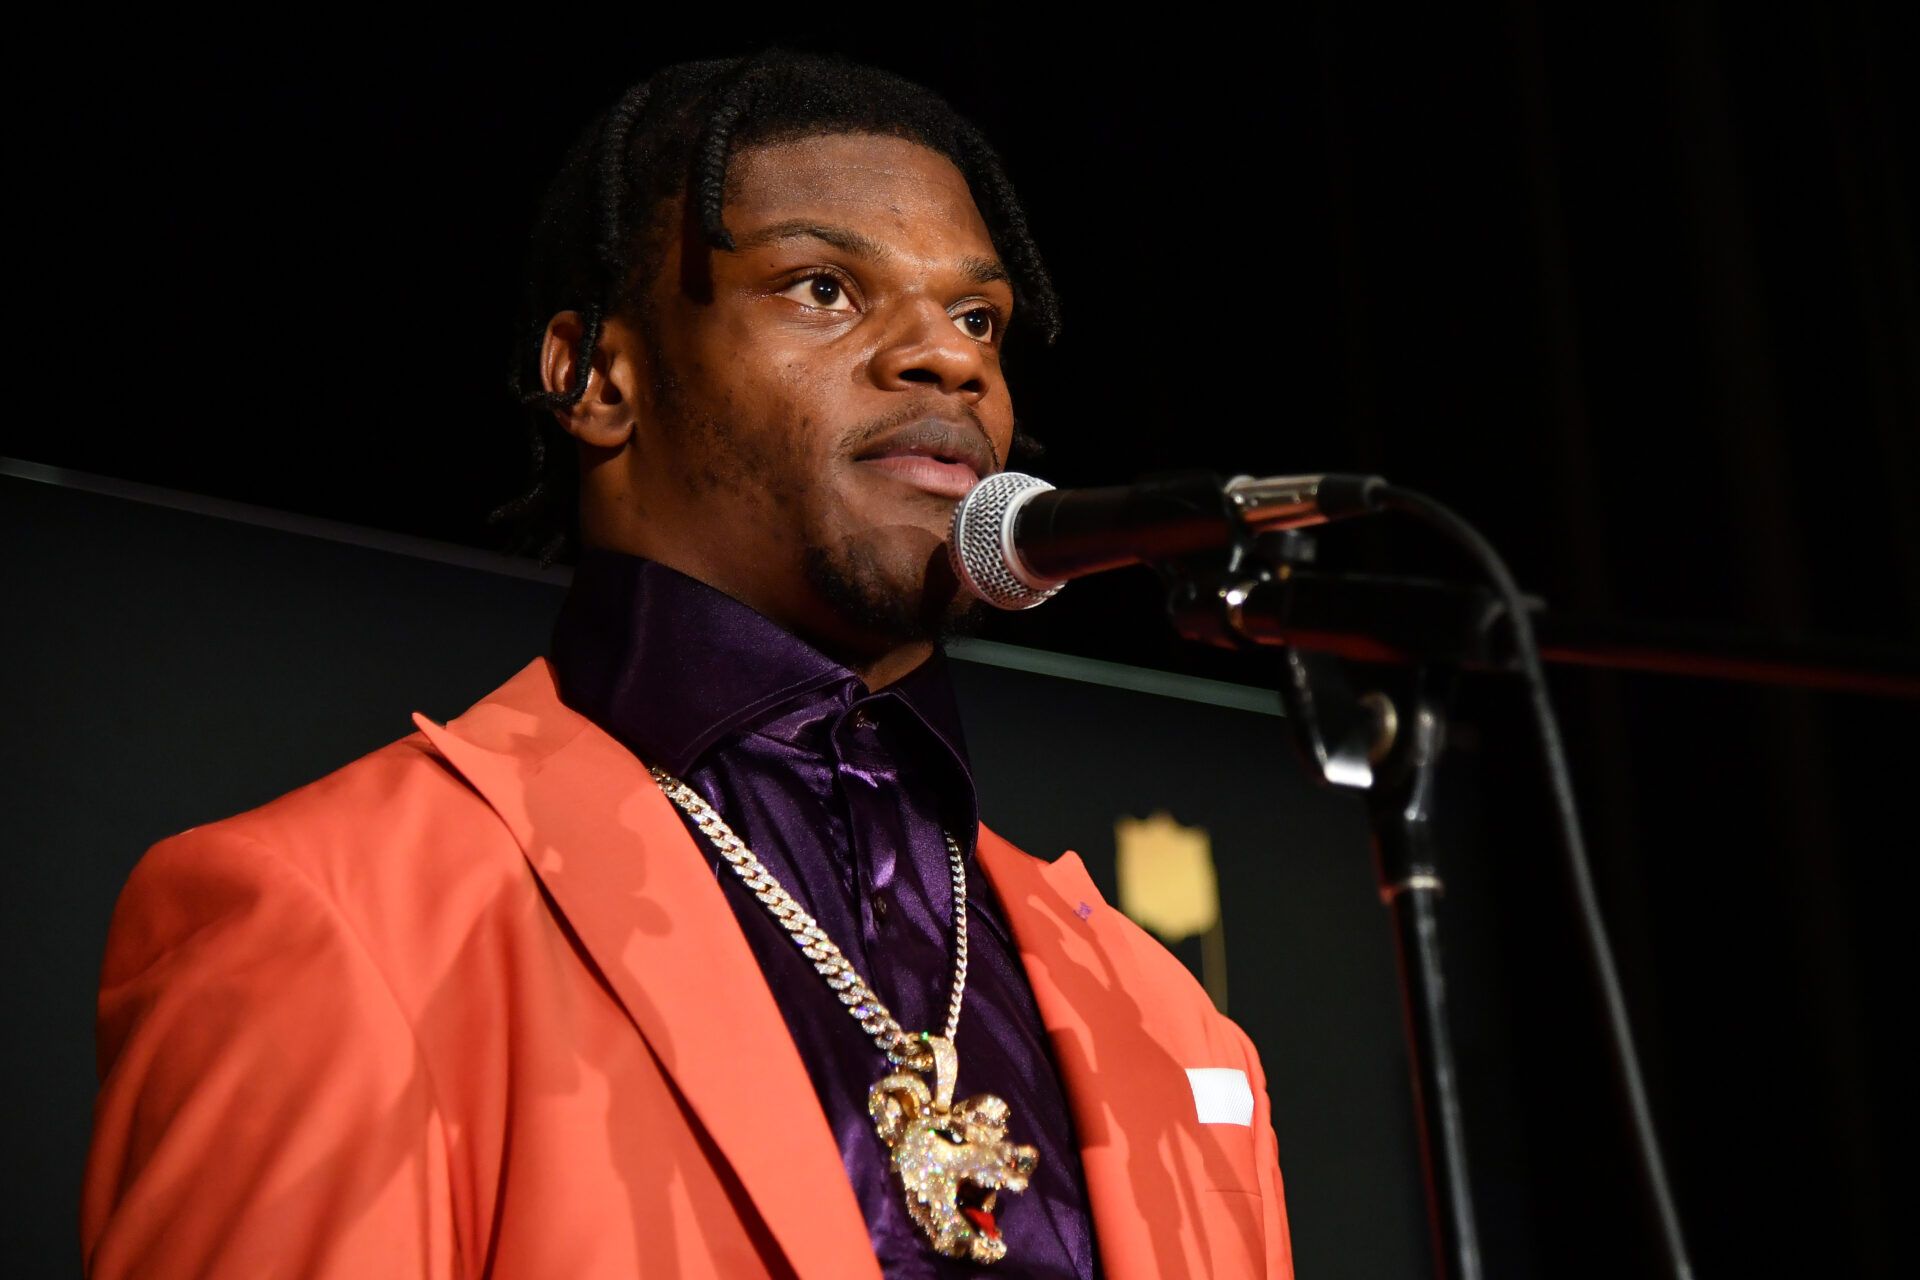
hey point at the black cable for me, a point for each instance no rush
(1593, 928)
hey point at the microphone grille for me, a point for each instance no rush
(981, 545)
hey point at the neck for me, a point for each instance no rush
(887, 668)
(876, 667)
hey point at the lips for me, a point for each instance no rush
(947, 479)
(934, 455)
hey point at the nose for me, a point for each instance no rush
(925, 347)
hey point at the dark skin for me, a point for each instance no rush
(863, 295)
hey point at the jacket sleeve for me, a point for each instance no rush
(1267, 1148)
(264, 1108)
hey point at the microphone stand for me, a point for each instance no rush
(1387, 745)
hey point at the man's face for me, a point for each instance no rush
(823, 394)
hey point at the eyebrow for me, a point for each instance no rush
(853, 242)
(984, 271)
(861, 245)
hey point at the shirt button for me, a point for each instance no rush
(880, 909)
(861, 720)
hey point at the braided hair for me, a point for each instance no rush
(602, 231)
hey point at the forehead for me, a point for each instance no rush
(886, 186)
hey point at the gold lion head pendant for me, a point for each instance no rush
(953, 1158)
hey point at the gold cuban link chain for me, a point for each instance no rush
(902, 1048)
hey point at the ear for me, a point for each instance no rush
(606, 412)
(895, 1102)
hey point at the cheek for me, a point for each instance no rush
(783, 377)
(996, 415)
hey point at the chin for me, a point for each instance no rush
(894, 588)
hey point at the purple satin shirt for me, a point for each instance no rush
(842, 793)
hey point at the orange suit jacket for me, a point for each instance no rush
(474, 1005)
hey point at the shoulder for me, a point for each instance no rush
(392, 796)
(1062, 918)
(256, 1013)
(379, 847)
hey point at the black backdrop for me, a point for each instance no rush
(1635, 290)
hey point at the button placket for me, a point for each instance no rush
(864, 772)
(863, 723)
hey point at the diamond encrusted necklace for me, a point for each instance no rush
(953, 1158)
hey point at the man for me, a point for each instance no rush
(520, 995)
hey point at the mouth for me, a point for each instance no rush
(933, 455)
(976, 1206)
(946, 477)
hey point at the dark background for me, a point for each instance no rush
(1633, 290)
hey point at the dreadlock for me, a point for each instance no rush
(601, 233)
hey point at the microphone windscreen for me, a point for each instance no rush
(981, 543)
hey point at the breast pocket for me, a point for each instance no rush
(1218, 1129)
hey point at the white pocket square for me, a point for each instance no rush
(1221, 1095)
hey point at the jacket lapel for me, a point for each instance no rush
(618, 862)
(1123, 1086)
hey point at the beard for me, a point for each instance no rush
(849, 578)
(845, 573)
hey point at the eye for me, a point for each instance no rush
(981, 324)
(819, 290)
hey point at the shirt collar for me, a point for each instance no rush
(670, 666)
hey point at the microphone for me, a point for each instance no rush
(1017, 540)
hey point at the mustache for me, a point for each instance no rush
(856, 439)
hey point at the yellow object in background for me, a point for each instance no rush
(1168, 885)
